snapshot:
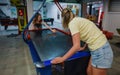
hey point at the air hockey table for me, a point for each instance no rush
(45, 45)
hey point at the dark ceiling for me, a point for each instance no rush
(73, 1)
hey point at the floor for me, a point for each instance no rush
(115, 70)
(15, 58)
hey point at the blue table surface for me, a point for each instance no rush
(50, 45)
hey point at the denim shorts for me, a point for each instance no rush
(102, 57)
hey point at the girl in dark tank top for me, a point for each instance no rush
(37, 23)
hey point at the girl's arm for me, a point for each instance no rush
(48, 26)
(76, 47)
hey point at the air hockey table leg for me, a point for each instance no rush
(44, 71)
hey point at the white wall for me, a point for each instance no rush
(111, 20)
(52, 10)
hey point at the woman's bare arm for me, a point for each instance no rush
(76, 47)
(48, 27)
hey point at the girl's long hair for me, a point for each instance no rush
(66, 16)
(35, 20)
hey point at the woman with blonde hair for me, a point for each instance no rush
(85, 30)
